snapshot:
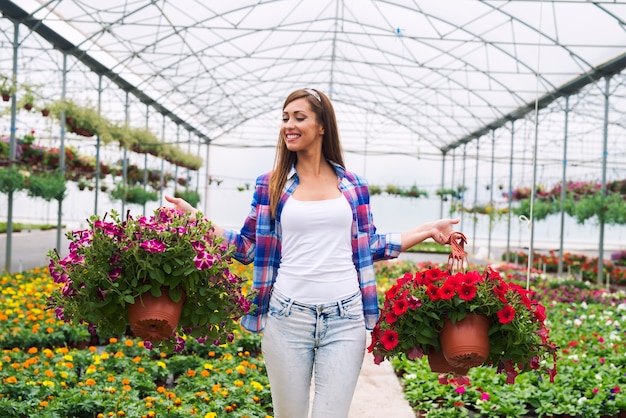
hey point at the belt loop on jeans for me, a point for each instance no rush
(341, 310)
(289, 305)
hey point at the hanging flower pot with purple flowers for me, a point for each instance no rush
(119, 263)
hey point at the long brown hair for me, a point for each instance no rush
(331, 145)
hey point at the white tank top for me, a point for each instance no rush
(316, 263)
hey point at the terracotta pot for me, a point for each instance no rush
(466, 342)
(154, 319)
(439, 364)
(6, 97)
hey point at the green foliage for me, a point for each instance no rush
(611, 208)
(541, 209)
(11, 179)
(47, 186)
(133, 194)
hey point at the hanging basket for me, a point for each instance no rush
(439, 364)
(465, 343)
(154, 318)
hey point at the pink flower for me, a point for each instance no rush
(484, 396)
(153, 246)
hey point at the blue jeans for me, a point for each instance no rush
(300, 339)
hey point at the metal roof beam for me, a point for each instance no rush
(609, 68)
(15, 13)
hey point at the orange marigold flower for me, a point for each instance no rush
(90, 382)
(112, 340)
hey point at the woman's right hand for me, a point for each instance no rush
(181, 204)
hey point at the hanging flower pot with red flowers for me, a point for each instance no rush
(420, 307)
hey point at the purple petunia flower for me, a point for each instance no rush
(203, 260)
(153, 246)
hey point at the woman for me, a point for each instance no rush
(311, 238)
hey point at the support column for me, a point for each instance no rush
(603, 189)
(563, 186)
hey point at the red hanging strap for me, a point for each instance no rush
(457, 258)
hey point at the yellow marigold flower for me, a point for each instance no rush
(48, 383)
(91, 369)
(238, 383)
(63, 375)
(241, 369)
(178, 402)
(210, 415)
(224, 393)
(121, 413)
(256, 399)
(256, 385)
(100, 415)
(140, 344)
(68, 357)
(151, 414)
(208, 366)
(104, 356)
(161, 365)
(149, 404)
(228, 356)
(228, 408)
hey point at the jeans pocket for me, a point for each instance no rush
(278, 307)
(353, 309)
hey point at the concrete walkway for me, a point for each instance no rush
(379, 393)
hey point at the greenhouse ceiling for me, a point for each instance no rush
(406, 76)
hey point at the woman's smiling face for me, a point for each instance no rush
(300, 128)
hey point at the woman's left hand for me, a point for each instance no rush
(442, 229)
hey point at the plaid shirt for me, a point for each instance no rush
(259, 241)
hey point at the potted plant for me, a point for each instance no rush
(417, 307)
(117, 263)
(7, 88)
(27, 98)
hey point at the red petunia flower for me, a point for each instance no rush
(506, 314)
(446, 292)
(466, 292)
(400, 307)
(389, 339)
